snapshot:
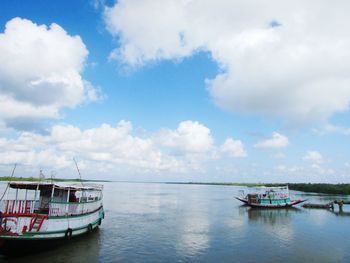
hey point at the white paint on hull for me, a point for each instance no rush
(53, 227)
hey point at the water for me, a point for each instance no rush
(199, 223)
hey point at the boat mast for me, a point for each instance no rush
(81, 181)
(76, 165)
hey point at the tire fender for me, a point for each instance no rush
(68, 234)
(89, 228)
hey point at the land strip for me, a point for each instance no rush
(34, 179)
(338, 189)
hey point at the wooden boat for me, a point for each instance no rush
(46, 211)
(268, 197)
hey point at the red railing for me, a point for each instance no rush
(18, 206)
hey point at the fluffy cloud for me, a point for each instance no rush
(40, 70)
(234, 148)
(276, 141)
(313, 157)
(279, 155)
(112, 148)
(322, 171)
(188, 137)
(329, 128)
(282, 59)
(293, 170)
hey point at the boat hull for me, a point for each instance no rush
(282, 205)
(55, 230)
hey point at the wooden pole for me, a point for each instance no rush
(82, 206)
(67, 205)
(52, 194)
(340, 206)
(25, 202)
(16, 202)
(35, 195)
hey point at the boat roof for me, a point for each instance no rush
(273, 187)
(260, 189)
(62, 186)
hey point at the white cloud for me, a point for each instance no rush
(234, 148)
(322, 171)
(188, 137)
(110, 148)
(289, 170)
(329, 128)
(275, 142)
(314, 157)
(296, 67)
(318, 166)
(40, 71)
(279, 155)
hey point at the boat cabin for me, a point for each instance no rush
(269, 195)
(50, 199)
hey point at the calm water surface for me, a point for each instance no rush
(199, 223)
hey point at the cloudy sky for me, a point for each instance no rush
(176, 90)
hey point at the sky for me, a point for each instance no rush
(176, 90)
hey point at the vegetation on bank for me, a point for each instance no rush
(35, 179)
(340, 189)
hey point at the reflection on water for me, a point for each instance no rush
(275, 222)
(272, 216)
(340, 213)
(193, 228)
(82, 249)
(197, 223)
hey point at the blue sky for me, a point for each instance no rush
(175, 90)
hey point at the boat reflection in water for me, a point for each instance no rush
(85, 248)
(272, 216)
(278, 223)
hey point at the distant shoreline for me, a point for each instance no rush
(338, 189)
(34, 179)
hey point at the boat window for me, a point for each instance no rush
(45, 192)
(72, 197)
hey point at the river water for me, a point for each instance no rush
(150, 222)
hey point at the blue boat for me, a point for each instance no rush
(268, 197)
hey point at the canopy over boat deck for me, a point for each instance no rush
(48, 186)
(52, 199)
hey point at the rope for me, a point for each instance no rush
(76, 165)
(13, 172)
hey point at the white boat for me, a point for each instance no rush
(43, 211)
(268, 197)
